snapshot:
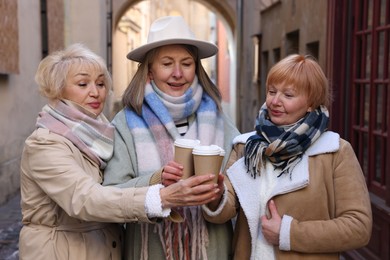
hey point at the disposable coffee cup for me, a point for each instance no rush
(183, 155)
(207, 160)
(221, 153)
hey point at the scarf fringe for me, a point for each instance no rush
(181, 241)
(254, 158)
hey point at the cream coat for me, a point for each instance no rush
(326, 200)
(65, 209)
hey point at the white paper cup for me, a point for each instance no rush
(207, 160)
(221, 152)
(183, 155)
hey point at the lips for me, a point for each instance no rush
(176, 85)
(94, 105)
(276, 112)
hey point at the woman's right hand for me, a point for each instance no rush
(172, 173)
(190, 192)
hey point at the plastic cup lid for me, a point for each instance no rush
(206, 150)
(186, 143)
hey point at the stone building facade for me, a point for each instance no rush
(349, 38)
(29, 30)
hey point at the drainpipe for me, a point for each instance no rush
(239, 57)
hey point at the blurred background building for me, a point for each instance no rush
(349, 38)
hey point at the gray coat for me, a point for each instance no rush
(122, 171)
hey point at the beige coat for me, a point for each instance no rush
(330, 209)
(65, 209)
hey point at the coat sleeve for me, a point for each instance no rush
(50, 162)
(351, 225)
(230, 132)
(121, 169)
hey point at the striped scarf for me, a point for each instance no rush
(283, 146)
(92, 134)
(154, 133)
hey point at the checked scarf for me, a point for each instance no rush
(283, 146)
(154, 133)
(92, 134)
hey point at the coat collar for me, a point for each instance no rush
(328, 142)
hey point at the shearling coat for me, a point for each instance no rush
(66, 212)
(325, 203)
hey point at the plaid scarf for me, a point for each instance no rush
(92, 134)
(154, 133)
(283, 146)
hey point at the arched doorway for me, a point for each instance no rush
(131, 22)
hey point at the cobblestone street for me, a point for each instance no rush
(10, 224)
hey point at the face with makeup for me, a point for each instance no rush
(285, 104)
(173, 70)
(85, 85)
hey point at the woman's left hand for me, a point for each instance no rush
(271, 226)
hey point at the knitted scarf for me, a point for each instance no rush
(283, 146)
(154, 133)
(92, 134)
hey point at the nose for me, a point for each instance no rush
(93, 91)
(275, 99)
(177, 72)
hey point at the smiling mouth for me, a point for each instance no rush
(176, 85)
(275, 112)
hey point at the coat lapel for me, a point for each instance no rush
(248, 193)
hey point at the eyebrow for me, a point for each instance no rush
(172, 58)
(87, 74)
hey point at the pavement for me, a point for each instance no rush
(10, 225)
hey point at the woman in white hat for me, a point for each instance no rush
(170, 97)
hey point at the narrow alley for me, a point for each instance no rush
(10, 224)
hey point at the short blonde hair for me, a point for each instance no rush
(53, 70)
(305, 74)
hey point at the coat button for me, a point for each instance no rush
(113, 244)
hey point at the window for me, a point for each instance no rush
(292, 43)
(370, 93)
(9, 40)
(313, 49)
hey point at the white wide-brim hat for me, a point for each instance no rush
(171, 30)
